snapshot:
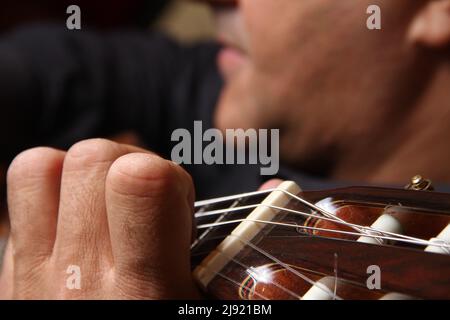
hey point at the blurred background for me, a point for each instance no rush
(185, 20)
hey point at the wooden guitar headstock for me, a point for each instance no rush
(352, 243)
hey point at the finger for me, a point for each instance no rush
(33, 197)
(271, 184)
(82, 230)
(150, 212)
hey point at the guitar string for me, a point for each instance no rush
(278, 285)
(312, 215)
(324, 212)
(249, 194)
(237, 284)
(311, 205)
(283, 224)
(298, 274)
(333, 293)
(364, 230)
(206, 251)
(272, 282)
(261, 192)
(308, 204)
(286, 266)
(256, 193)
(205, 233)
(239, 196)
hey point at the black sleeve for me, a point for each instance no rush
(59, 86)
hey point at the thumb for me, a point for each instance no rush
(149, 204)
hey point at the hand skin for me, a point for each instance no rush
(120, 213)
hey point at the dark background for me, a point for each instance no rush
(110, 14)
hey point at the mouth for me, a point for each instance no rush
(231, 59)
(231, 33)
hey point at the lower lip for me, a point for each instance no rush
(231, 60)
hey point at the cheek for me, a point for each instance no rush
(273, 30)
(286, 44)
(267, 25)
(297, 44)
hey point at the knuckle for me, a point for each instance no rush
(142, 175)
(33, 163)
(90, 152)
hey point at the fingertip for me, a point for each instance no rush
(271, 184)
(146, 174)
(34, 164)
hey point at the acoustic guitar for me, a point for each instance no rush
(350, 243)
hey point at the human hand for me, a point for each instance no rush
(120, 214)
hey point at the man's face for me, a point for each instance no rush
(313, 69)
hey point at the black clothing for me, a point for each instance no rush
(59, 86)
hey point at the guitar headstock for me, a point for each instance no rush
(288, 244)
